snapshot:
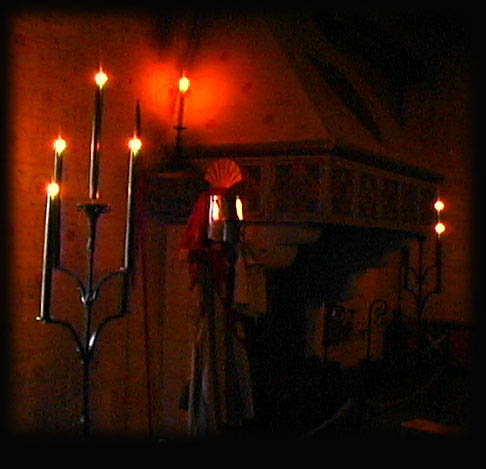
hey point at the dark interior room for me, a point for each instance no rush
(250, 225)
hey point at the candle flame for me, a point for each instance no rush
(214, 208)
(101, 78)
(439, 228)
(135, 144)
(184, 84)
(239, 208)
(52, 189)
(59, 145)
(439, 205)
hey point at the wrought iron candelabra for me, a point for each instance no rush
(89, 289)
(421, 274)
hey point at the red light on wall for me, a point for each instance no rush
(211, 91)
(156, 90)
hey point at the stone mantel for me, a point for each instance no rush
(291, 190)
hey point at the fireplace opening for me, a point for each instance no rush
(293, 388)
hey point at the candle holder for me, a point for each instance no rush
(89, 289)
(86, 343)
(176, 165)
(421, 274)
(420, 295)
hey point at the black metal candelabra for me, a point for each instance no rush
(419, 293)
(89, 289)
(421, 274)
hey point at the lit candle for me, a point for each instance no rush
(439, 205)
(239, 208)
(59, 147)
(100, 80)
(48, 253)
(439, 229)
(134, 145)
(183, 88)
(184, 84)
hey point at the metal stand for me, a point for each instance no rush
(86, 343)
(420, 274)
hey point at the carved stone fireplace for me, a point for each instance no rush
(315, 218)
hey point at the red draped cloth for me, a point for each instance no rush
(220, 393)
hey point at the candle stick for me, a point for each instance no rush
(134, 144)
(48, 258)
(100, 79)
(439, 229)
(183, 88)
(59, 147)
(438, 263)
(86, 341)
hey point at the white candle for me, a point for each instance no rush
(134, 145)
(100, 79)
(48, 252)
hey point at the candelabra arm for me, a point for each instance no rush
(79, 282)
(96, 334)
(71, 329)
(428, 295)
(406, 285)
(97, 288)
(409, 270)
(430, 269)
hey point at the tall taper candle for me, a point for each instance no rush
(183, 87)
(439, 229)
(134, 144)
(438, 263)
(59, 147)
(48, 259)
(184, 84)
(94, 162)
